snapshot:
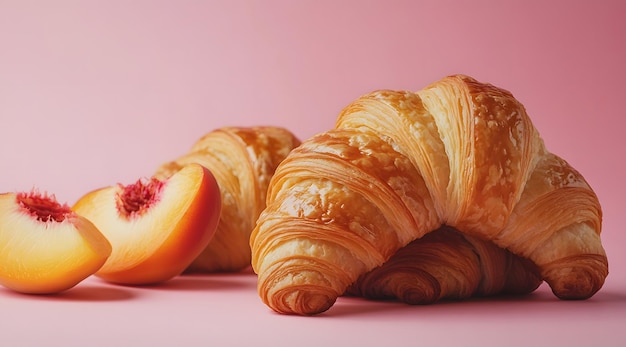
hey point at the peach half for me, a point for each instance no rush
(156, 227)
(45, 247)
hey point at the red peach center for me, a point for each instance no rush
(135, 199)
(44, 207)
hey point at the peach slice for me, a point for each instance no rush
(45, 247)
(156, 228)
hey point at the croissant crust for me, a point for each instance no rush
(446, 192)
(243, 160)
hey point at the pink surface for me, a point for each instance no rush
(95, 93)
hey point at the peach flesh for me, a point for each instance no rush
(45, 247)
(156, 228)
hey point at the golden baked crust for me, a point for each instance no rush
(400, 165)
(446, 264)
(243, 160)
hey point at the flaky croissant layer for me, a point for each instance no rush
(242, 159)
(399, 166)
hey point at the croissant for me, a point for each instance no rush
(242, 159)
(399, 165)
(446, 264)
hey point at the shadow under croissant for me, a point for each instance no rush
(447, 265)
(349, 305)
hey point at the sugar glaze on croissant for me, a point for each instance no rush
(399, 166)
(243, 160)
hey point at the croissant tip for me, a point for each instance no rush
(581, 290)
(304, 304)
(576, 283)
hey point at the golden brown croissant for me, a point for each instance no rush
(445, 264)
(243, 160)
(400, 165)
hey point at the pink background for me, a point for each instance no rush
(98, 92)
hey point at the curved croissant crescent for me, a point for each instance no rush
(445, 264)
(401, 165)
(243, 160)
